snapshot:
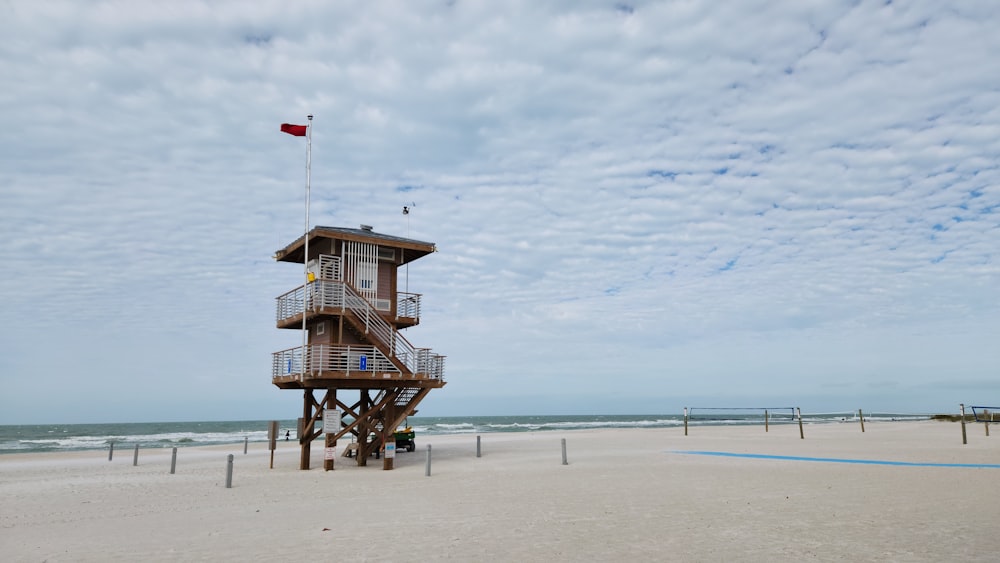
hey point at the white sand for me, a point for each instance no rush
(625, 494)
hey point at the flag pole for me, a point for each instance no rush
(305, 256)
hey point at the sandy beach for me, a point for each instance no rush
(625, 494)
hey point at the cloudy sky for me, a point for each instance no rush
(638, 206)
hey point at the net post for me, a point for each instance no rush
(861, 416)
(961, 408)
(801, 433)
(986, 422)
(685, 421)
(765, 420)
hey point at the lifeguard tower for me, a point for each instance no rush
(352, 311)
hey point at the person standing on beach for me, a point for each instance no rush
(287, 434)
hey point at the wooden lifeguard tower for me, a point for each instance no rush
(352, 311)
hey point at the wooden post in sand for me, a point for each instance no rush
(961, 407)
(565, 462)
(246, 441)
(986, 422)
(765, 420)
(390, 453)
(801, 433)
(111, 451)
(173, 461)
(685, 421)
(229, 472)
(135, 456)
(427, 470)
(861, 416)
(272, 438)
(479, 446)
(332, 423)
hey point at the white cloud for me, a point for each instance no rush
(679, 199)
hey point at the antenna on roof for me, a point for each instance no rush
(406, 212)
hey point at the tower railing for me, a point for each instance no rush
(351, 359)
(408, 305)
(328, 293)
(290, 304)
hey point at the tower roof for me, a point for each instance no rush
(412, 248)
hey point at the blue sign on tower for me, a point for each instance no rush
(363, 363)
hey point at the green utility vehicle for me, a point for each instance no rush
(405, 438)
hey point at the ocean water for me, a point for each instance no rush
(70, 437)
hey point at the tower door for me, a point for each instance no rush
(360, 261)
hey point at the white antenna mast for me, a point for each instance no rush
(406, 212)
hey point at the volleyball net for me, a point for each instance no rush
(740, 415)
(985, 414)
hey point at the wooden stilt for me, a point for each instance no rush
(389, 435)
(331, 438)
(305, 430)
(364, 450)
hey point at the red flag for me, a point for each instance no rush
(297, 130)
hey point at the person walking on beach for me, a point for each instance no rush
(287, 434)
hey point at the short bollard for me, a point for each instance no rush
(564, 451)
(229, 472)
(427, 471)
(111, 451)
(135, 456)
(479, 446)
(246, 440)
(173, 461)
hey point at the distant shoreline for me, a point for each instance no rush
(71, 437)
(955, 417)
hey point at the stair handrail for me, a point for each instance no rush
(373, 322)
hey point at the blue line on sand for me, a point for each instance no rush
(838, 460)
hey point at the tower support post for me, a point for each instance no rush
(330, 441)
(305, 432)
